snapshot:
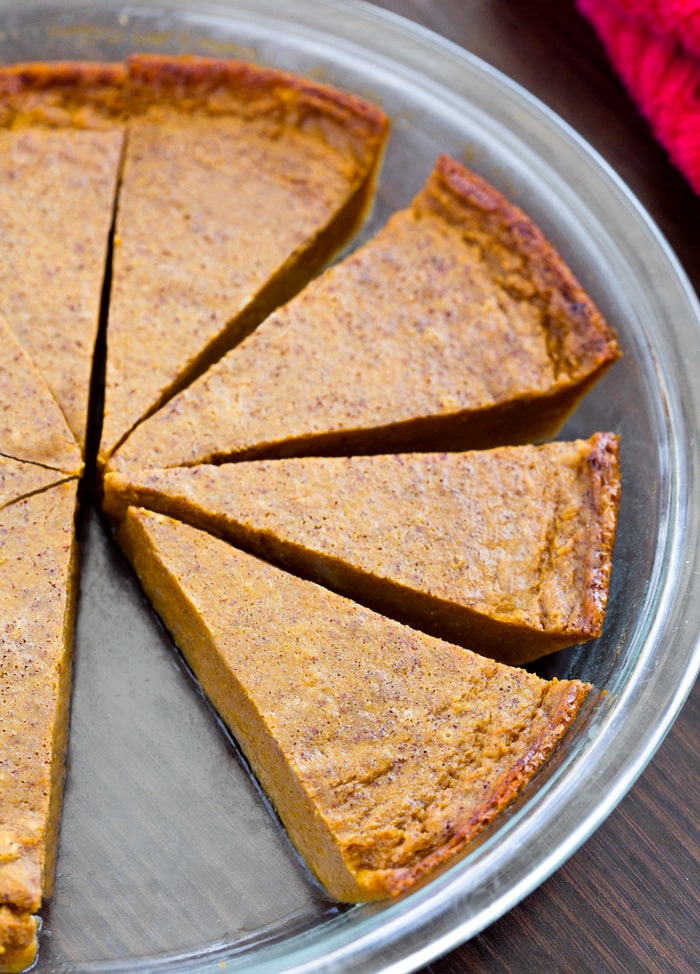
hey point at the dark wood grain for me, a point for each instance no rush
(629, 900)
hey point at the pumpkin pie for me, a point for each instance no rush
(37, 594)
(508, 549)
(456, 327)
(384, 751)
(187, 201)
(60, 149)
(239, 183)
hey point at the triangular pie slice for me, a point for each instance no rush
(383, 750)
(508, 549)
(32, 426)
(60, 150)
(37, 596)
(456, 327)
(239, 183)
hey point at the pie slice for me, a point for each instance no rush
(384, 751)
(37, 595)
(508, 549)
(32, 426)
(60, 149)
(239, 184)
(456, 327)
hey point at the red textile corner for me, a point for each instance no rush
(654, 45)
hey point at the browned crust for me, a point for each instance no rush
(525, 264)
(604, 473)
(63, 94)
(20, 898)
(18, 940)
(91, 95)
(562, 701)
(20, 877)
(220, 87)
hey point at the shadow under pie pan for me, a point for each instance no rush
(169, 857)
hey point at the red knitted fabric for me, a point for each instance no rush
(654, 45)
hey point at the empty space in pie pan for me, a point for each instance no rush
(169, 857)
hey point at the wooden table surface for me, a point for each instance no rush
(628, 901)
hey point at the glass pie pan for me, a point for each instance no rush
(170, 858)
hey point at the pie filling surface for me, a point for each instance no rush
(352, 611)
